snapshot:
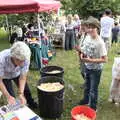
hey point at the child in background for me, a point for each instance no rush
(115, 31)
(83, 35)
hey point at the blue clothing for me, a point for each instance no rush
(92, 78)
(69, 40)
(115, 32)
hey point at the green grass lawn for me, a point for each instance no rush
(73, 93)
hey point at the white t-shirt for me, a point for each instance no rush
(19, 32)
(106, 26)
(77, 24)
(69, 26)
(83, 39)
(94, 49)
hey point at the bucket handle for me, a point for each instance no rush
(60, 98)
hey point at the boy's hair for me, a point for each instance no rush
(29, 26)
(108, 12)
(116, 23)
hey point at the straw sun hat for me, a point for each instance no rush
(93, 22)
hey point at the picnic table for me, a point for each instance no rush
(17, 112)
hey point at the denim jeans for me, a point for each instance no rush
(9, 87)
(92, 78)
(69, 40)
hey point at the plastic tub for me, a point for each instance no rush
(87, 111)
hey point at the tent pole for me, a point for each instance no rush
(38, 21)
(6, 18)
(7, 27)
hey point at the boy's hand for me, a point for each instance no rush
(77, 48)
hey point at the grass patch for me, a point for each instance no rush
(4, 41)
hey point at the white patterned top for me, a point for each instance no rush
(7, 69)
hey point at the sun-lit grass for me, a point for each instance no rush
(73, 93)
(3, 39)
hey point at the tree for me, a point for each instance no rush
(20, 19)
(87, 8)
(2, 20)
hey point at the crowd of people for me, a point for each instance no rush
(70, 27)
(94, 45)
(92, 40)
(27, 31)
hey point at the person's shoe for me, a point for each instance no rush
(83, 102)
(94, 108)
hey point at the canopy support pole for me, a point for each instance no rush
(6, 19)
(38, 21)
(7, 27)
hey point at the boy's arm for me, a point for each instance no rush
(103, 59)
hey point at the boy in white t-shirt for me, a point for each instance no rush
(94, 54)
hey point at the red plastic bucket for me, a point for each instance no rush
(87, 111)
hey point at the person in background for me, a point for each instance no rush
(114, 96)
(14, 67)
(24, 30)
(19, 31)
(13, 37)
(115, 31)
(83, 36)
(94, 54)
(59, 26)
(77, 24)
(60, 31)
(38, 26)
(69, 34)
(29, 33)
(107, 23)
